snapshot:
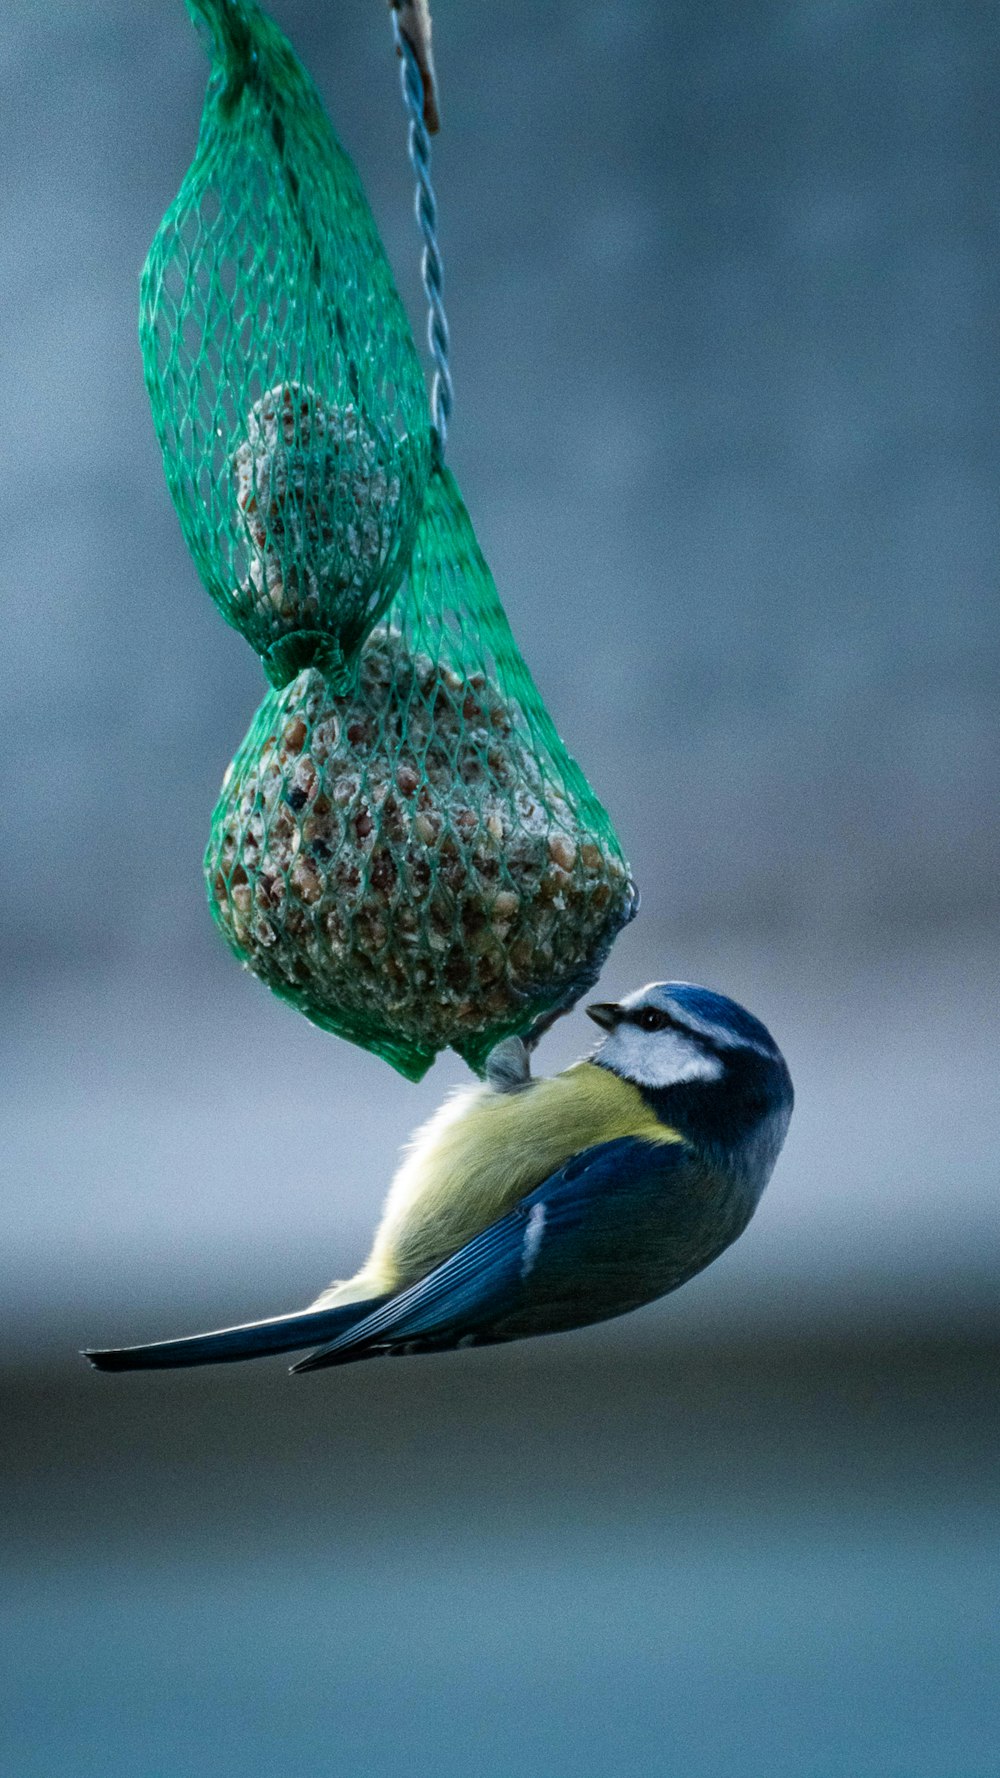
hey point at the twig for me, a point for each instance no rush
(415, 24)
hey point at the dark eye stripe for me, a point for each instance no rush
(664, 1021)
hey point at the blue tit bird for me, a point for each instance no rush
(529, 1206)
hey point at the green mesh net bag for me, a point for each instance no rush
(406, 851)
(287, 395)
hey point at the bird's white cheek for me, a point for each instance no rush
(658, 1058)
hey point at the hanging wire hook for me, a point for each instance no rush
(415, 98)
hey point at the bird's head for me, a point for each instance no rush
(702, 1061)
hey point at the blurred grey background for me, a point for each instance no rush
(722, 282)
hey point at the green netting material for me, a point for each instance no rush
(409, 854)
(287, 394)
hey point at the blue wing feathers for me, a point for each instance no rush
(469, 1294)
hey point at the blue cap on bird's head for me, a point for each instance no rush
(674, 1034)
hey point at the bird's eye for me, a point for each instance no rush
(651, 1020)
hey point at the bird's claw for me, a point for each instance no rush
(508, 1066)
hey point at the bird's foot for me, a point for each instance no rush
(508, 1066)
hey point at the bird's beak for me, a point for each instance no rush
(604, 1013)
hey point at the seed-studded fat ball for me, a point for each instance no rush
(392, 851)
(320, 498)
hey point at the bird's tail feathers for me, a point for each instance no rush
(227, 1345)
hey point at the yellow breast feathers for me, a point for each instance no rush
(483, 1151)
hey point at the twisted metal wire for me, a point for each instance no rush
(425, 206)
